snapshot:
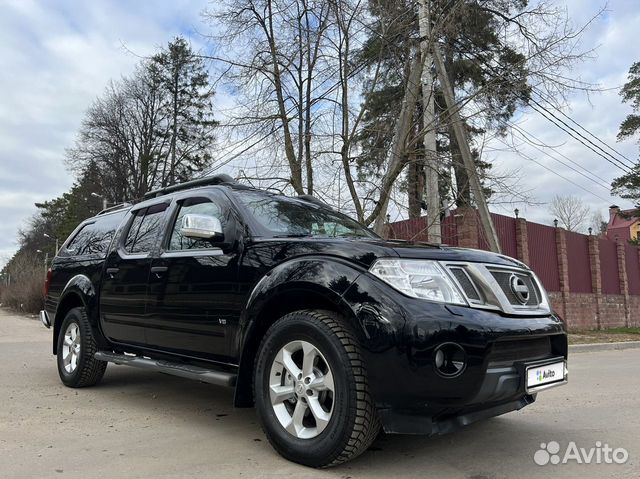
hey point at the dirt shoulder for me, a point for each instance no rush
(615, 335)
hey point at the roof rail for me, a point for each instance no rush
(114, 208)
(206, 181)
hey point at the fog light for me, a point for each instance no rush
(450, 360)
(439, 360)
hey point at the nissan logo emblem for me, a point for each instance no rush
(519, 288)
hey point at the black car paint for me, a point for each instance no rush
(270, 275)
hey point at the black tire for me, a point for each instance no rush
(88, 371)
(354, 422)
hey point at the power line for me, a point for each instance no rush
(542, 96)
(602, 153)
(558, 122)
(558, 174)
(588, 175)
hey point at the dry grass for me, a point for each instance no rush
(613, 335)
(24, 290)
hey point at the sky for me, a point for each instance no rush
(57, 57)
(613, 37)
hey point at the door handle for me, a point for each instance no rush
(112, 271)
(158, 270)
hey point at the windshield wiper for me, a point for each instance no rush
(293, 235)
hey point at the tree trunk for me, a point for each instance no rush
(431, 166)
(294, 163)
(397, 159)
(463, 193)
(463, 143)
(415, 185)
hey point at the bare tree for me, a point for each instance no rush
(570, 211)
(597, 224)
(150, 129)
(303, 73)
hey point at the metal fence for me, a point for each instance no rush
(579, 263)
(609, 267)
(542, 247)
(543, 255)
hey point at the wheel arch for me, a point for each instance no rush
(78, 292)
(274, 303)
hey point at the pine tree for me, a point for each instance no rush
(188, 109)
(470, 41)
(628, 185)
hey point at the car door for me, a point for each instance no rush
(123, 295)
(193, 301)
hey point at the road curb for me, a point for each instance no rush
(588, 348)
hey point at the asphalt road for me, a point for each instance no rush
(143, 424)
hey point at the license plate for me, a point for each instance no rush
(548, 373)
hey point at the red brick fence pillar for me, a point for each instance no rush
(467, 227)
(624, 282)
(522, 240)
(563, 271)
(596, 277)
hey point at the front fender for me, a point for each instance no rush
(314, 283)
(328, 279)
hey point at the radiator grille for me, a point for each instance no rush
(504, 281)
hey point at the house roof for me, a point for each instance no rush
(617, 220)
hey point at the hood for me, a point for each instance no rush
(366, 251)
(450, 253)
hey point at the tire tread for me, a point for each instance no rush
(92, 369)
(366, 423)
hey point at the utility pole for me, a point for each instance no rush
(465, 151)
(429, 124)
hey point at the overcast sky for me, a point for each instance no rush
(57, 56)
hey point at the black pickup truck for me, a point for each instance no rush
(329, 330)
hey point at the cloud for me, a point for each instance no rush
(57, 57)
(601, 113)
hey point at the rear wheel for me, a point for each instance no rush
(76, 347)
(311, 390)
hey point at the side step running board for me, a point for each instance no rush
(211, 376)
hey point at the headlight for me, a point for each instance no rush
(418, 278)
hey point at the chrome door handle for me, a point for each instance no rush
(159, 270)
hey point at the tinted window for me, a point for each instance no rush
(94, 238)
(133, 230)
(144, 229)
(200, 206)
(284, 216)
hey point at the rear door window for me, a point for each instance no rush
(144, 229)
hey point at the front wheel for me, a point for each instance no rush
(75, 351)
(311, 390)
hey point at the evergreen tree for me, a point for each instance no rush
(480, 66)
(188, 110)
(628, 185)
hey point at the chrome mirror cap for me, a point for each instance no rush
(201, 226)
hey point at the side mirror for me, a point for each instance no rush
(202, 227)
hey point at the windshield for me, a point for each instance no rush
(284, 216)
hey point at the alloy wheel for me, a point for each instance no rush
(71, 348)
(301, 389)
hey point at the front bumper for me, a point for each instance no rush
(501, 392)
(401, 337)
